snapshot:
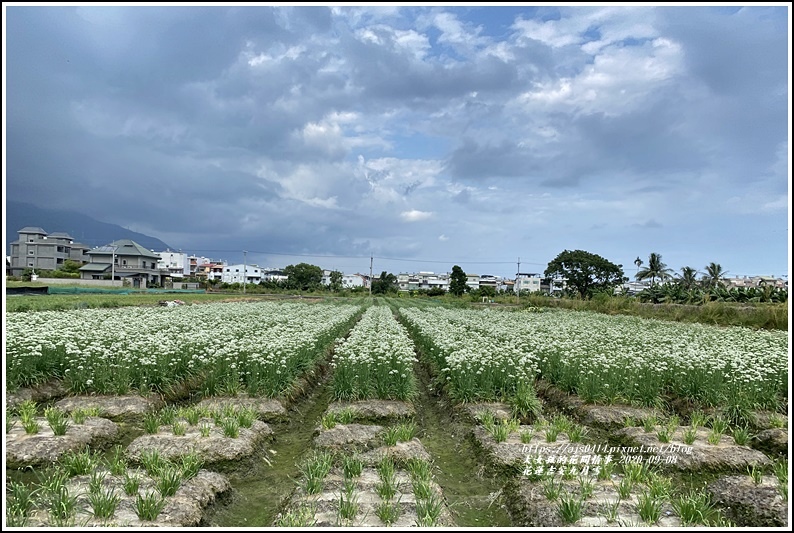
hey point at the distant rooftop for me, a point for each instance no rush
(124, 247)
(32, 229)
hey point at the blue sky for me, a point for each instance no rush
(424, 136)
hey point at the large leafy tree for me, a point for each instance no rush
(303, 276)
(655, 269)
(457, 281)
(714, 276)
(386, 283)
(584, 272)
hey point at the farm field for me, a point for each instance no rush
(387, 413)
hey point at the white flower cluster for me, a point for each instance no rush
(151, 345)
(602, 356)
(376, 359)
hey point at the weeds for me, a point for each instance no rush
(525, 402)
(624, 488)
(178, 428)
(31, 426)
(690, 434)
(694, 507)
(168, 480)
(610, 511)
(649, 423)
(57, 420)
(352, 466)
(649, 508)
(117, 464)
(190, 465)
(151, 423)
(570, 509)
(741, 435)
(300, 517)
(149, 506)
(79, 463)
(755, 473)
(388, 512)
(698, 419)
(314, 471)
(428, 511)
(131, 483)
(104, 503)
(231, 427)
(576, 433)
(329, 420)
(551, 488)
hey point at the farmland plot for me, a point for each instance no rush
(623, 477)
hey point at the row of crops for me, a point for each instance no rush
(486, 354)
(261, 348)
(375, 360)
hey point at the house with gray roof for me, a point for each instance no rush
(39, 250)
(124, 260)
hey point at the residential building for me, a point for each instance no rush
(529, 282)
(274, 274)
(349, 281)
(177, 263)
(422, 281)
(37, 249)
(473, 281)
(124, 260)
(487, 280)
(235, 273)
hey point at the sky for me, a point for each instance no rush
(421, 136)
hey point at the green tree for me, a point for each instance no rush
(71, 266)
(585, 273)
(386, 283)
(688, 278)
(457, 281)
(714, 276)
(336, 281)
(303, 276)
(655, 269)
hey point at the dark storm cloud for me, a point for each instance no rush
(351, 130)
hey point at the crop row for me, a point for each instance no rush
(227, 348)
(375, 360)
(605, 358)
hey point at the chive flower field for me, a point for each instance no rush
(259, 348)
(376, 360)
(483, 354)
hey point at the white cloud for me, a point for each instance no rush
(443, 237)
(415, 215)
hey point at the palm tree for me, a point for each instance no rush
(688, 278)
(714, 276)
(655, 269)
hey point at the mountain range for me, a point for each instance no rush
(82, 228)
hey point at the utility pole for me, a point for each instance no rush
(244, 269)
(370, 275)
(518, 285)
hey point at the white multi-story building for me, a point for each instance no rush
(273, 274)
(177, 263)
(422, 281)
(473, 281)
(527, 282)
(349, 281)
(234, 273)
